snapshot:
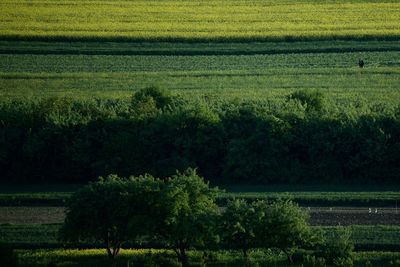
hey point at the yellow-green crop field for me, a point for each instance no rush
(242, 20)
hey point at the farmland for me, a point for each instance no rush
(199, 21)
(265, 98)
(224, 71)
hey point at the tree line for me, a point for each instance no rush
(180, 212)
(294, 139)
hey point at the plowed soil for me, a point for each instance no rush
(323, 216)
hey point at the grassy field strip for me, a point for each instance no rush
(158, 63)
(371, 235)
(366, 199)
(182, 48)
(242, 75)
(142, 257)
(198, 20)
(97, 257)
(341, 84)
(45, 235)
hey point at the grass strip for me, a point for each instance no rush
(366, 238)
(179, 48)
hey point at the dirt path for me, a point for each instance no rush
(31, 215)
(326, 216)
(323, 216)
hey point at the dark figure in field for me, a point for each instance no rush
(361, 63)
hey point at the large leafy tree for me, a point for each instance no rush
(284, 226)
(239, 222)
(112, 211)
(189, 213)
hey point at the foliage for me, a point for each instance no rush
(311, 99)
(112, 211)
(339, 249)
(151, 99)
(284, 226)
(190, 214)
(245, 142)
(239, 222)
(312, 261)
(343, 262)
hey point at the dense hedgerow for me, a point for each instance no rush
(63, 139)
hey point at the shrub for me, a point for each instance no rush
(343, 262)
(338, 246)
(311, 99)
(312, 261)
(153, 95)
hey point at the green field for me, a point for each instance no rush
(367, 196)
(200, 20)
(251, 71)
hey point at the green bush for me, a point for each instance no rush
(160, 98)
(312, 261)
(343, 262)
(311, 99)
(338, 247)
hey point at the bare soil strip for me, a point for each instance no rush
(32, 215)
(322, 216)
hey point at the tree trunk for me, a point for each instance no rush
(245, 253)
(289, 256)
(116, 250)
(183, 256)
(107, 241)
(180, 252)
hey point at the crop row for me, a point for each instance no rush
(198, 20)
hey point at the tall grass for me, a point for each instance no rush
(199, 20)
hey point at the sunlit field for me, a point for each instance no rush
(199, 20)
